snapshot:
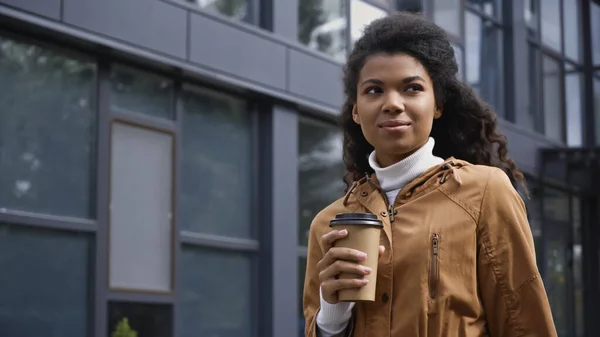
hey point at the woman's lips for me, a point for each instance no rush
(394, 125)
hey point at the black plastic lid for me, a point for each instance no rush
(366, 219)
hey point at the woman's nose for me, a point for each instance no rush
(394, 103)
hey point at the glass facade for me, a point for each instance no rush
(143, 186)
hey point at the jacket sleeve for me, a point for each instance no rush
(512, 290)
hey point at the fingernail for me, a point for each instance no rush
(362, 256)
(366, 269)
(343, 232)
(364, 281)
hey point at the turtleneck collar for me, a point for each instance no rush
(396, 176)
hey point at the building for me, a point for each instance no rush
(161, 160)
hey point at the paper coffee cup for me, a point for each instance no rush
(364, 230)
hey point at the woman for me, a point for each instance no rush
(424, 154)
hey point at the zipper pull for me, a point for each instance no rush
(434, 243)
(391, 213)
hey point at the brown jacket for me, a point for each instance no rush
(459, 259)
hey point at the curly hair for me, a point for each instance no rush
(466, 130)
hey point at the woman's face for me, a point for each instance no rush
(395, 105)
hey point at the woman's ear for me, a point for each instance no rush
(355, 115)
(437, 114)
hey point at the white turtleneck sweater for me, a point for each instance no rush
(333, 318)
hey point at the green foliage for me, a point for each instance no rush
(123, 329)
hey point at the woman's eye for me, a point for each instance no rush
(373, 90)
(414, 87)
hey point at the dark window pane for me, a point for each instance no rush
(44, 282)
(489, 7)
(322, 26)
(446, 13)
(573, 81)
(237, 9)
(535, 119)
(597, 105)
(216, 164)
(215, 294)
(361, 14)
(553, 111)
(415, 6)
(321, 171)
(484, 60)
(595, 23)
(572, 30)
(133, 91)
(148, 320)
(550, 13)
(47, 130)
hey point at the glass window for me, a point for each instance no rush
(215, 294)
(484, 60)
(147, 320)
(237, 9)
(446, 13)
(322, 25)
(415, 6)
(550, 14)
(595, 23)
(489, 7)
(571, 27)
(361, 14)
(535, 120)
(44, 285)
(216, 164)
(531, 15)
(458, 55)
(573, 80)
(321, 171)
(141, 181)
(133, 91)
(47, 130)
(552, 86)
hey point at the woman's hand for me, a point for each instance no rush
(339, 260)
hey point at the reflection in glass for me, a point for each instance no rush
(489, 7)
(578, 267)
(321, 170)
(237, 9)
(148, 320)
(215, 195)
(557, 279)
(534, 120)
(595, 23)
(215, 293)
(571, 27)
(550, 14)
(47, 130)
(552, 84)
(483, 59)
(44, 282)
(573, 94)
(458, 55)
(322, 25)
(531, 15)
(446, 13)
(133, 91)
(361, 14)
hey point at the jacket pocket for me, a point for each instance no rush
(434, 271)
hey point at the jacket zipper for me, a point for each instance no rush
(433, 269)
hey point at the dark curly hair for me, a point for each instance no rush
(467, 129)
